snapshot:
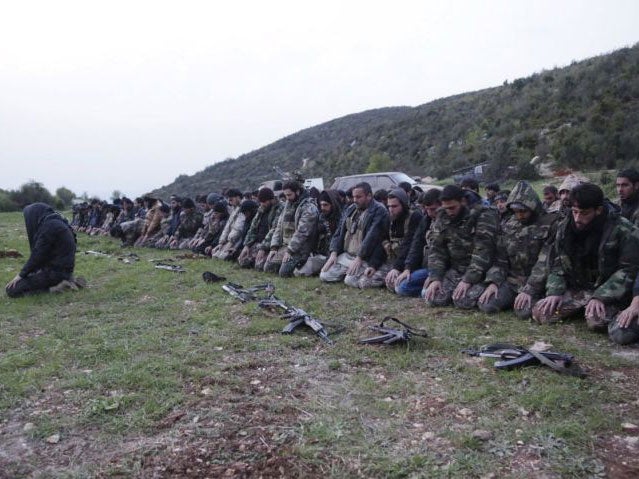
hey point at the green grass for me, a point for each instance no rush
(145, 362)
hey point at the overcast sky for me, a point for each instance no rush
(127, 95)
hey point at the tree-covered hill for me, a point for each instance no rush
(583, 116)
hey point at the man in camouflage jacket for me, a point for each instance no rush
(190, 223)
(330, 216)
(595, 261)
(462, 250)
(255, 251)
(295, 232)
(523, 236)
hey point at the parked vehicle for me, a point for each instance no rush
(378, 181)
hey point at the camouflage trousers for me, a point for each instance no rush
(226, 252)
(131, 230)
(312, 267)
(444, 296)
(337, 273)
(284, 269)
(503, 300)
(573, 304)
(626, 335)
(248, 261)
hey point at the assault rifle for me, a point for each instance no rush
(296, 317)
(170, 267)
(392, 335)
(516, 356)
(248, 294)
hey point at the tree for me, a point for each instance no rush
(32, 192)
(379, 162)
(65, 195)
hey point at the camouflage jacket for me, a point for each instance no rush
(270, 216)
(520, 246)
(465, 243)
(234, 228)
(375, 228)
(152, 220)
(207, 217)
(617, 260)
(296, 226)
(189, 224)
(216, 226)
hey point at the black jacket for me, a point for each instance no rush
(415, 258)
(51, 240)
(375, 227)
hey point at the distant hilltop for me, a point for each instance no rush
(584, 116)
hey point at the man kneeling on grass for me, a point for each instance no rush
(595, 261)
(52, 259)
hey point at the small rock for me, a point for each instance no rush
(255, 382)
(465, 412)
(523, 412)
(206, 391)
(53, 439)
(630, 427)
(632, 441)
(482, 435)
(28, 427)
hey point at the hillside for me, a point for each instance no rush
(583, 115)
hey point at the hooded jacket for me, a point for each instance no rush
(328, 224)
(520, 245)
(51, 240)
(401, 232)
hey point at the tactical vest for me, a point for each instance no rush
(354, 231)
(393, 243)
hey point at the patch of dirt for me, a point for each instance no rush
(620, 455)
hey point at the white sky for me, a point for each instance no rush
(105, 95)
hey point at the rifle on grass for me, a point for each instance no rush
(516, 356)
(393, 335)
(296, 317)
(248, 294)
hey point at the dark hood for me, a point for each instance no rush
(403, 198)
(34, 215)
(332, 197)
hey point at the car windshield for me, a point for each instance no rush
(399, 177)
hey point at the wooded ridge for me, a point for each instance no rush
(584, 116)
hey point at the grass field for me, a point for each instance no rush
(150, 373)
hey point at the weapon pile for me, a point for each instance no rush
(516, 356)
(296, 316)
